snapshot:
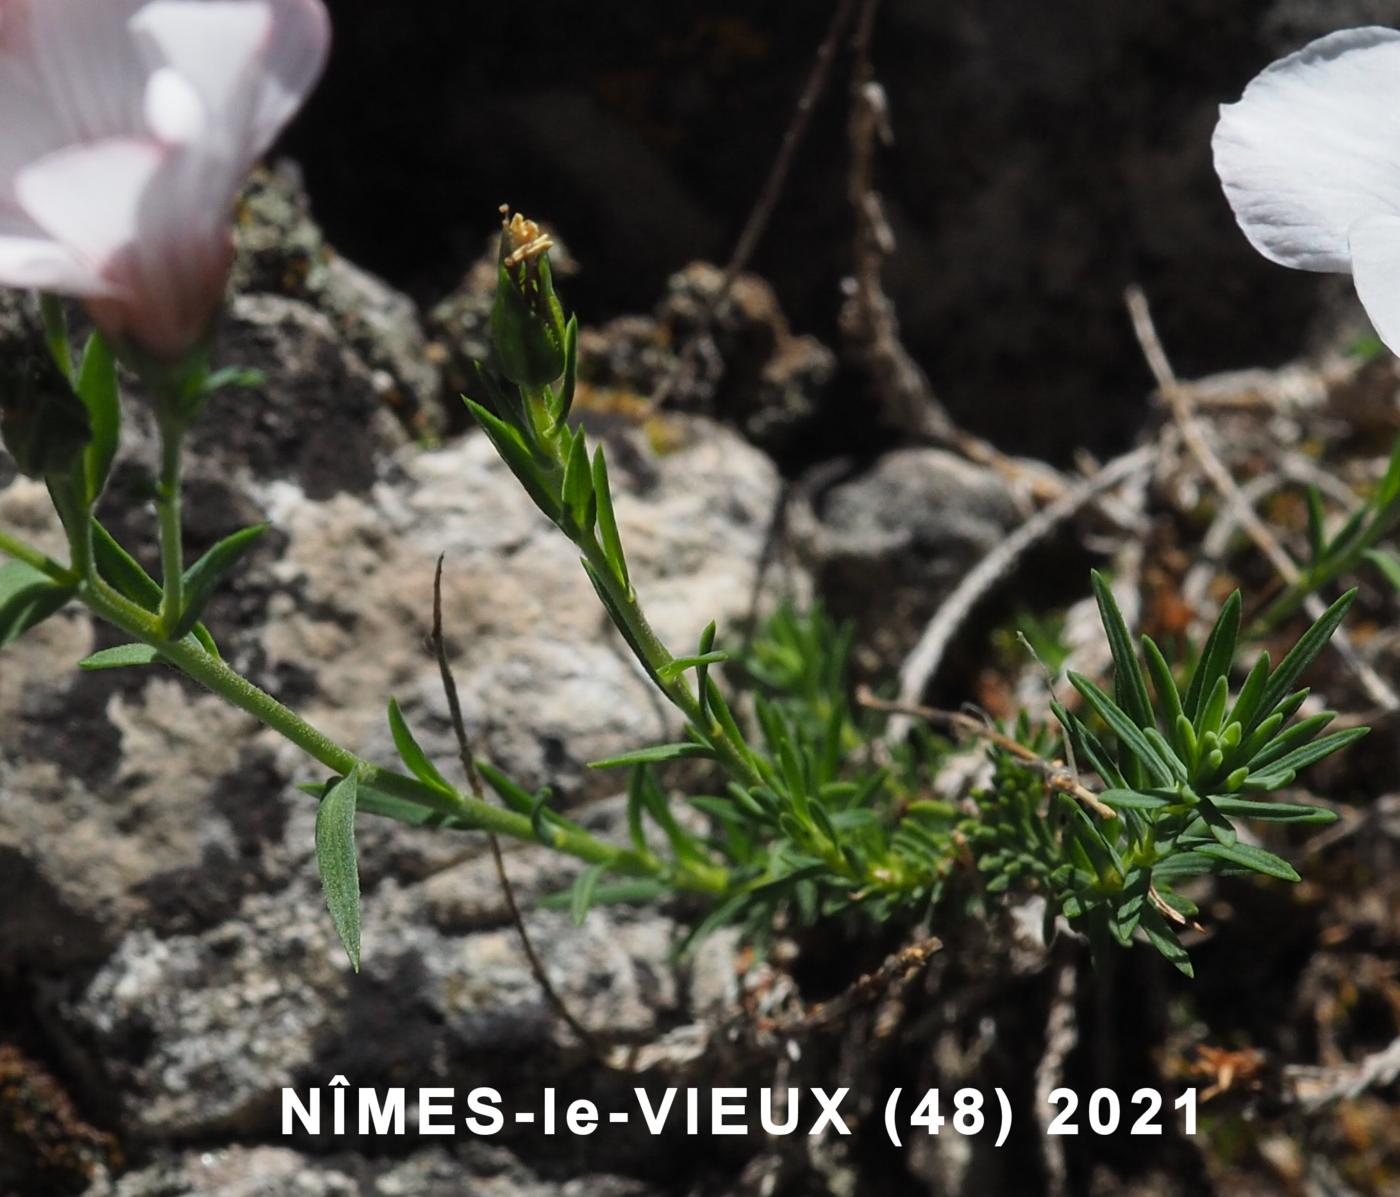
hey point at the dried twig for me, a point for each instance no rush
(923, 662)
(468, 759)
(1315, 1087)
(1056, 775)
(767, 200)
(1178, 399)
(897, 970)
(868, 320)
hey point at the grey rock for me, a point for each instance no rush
(887, 545)
(282, 251)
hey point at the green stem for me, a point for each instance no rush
(216, 675)
(736, 757)
(12, 546)
(172, 566)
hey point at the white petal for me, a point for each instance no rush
(92, 74)
(1375, 255)
(29, 259)
(301, 39)
(1313, 147)
(90, 197)
(214, 44)
(174, 109)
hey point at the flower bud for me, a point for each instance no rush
(44, 425)
(527, 321)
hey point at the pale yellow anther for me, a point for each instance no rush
(525, 238)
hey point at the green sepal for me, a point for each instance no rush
(528, 330)
(337, 860)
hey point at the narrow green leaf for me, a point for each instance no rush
(1251, 693)
(1274, 812)
(1389, 489)
(1250, 858)
(581, 896)
(27, 598)
(635, 806)
(1216, 657)
(121, 657)
(514, 795)
(1128, 733)
(1310, 754)
(1212, 712)
(1129, 684)
(1220, 827)
(1168, 696)
(702, 668)
(1388, 564)
(679, 665)
(578, 486)
(607, 520)
(412, 754)
(1133, 800)
(336, 858)
(1161, 936)
(1279, 745)
(1312, 642)
(1317, 534)
(653, 755)
(204, 576)
(96, 386)
(517, 455)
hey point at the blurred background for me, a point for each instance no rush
(1045, 156)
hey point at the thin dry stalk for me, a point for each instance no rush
(1178, 400)
(922, 663)
(1057, 776)
(468, 759)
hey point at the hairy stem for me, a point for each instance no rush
(736, 756)
(172, 566)
(217, 676)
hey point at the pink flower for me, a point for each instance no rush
(127, 128)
